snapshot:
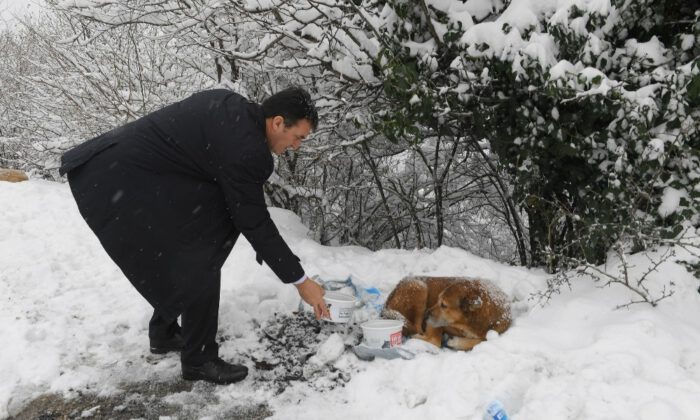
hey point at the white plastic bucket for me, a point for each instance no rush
(340, 305)
(382, 333)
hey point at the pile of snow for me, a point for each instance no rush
(70, 321)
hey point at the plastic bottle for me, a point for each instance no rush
(495, 411)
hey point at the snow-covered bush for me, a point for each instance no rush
(591, 106)
(603, 138)
(71, 81)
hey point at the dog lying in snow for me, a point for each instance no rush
(464, 309)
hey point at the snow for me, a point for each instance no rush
(654, 149)
(652, 50)
(256, 5)
(13, 10)
(670, 201)
(420, 48)
(521, 14)
(482, 8)
(457, 12)
(351, 69)
(543, 49)
(687, 41)
(561, 69)
(70, 321)
(328, 352)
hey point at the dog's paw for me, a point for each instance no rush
(462, 343)
(436, 341)
(452, 342)
(420, 346)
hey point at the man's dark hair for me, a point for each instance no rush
(292, 104)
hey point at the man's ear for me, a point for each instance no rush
(278, 122)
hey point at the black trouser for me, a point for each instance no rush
(145, 260)
(200, 322)
(162, 328)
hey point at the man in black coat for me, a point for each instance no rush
(168, 194)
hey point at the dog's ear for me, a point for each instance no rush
(466, 304)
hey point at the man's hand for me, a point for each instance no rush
(312, 293)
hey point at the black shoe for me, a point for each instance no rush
(174, 343)
(216, 371)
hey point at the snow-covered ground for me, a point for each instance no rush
(70, 321)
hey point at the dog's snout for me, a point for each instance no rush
(434, 318)
(435, 323)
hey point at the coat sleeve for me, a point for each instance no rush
(242, 167)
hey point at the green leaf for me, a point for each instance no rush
(693, 90)
(674, 124)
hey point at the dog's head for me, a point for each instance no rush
(454, 306)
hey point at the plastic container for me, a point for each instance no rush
(340, 305)
(382, 333)
(495, 411)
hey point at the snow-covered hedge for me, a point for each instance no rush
(592, 106)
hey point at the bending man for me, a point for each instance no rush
(168, 195)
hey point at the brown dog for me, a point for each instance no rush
(464, 309)
(12, 175)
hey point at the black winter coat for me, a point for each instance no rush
(168, 194)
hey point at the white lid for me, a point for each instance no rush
(338, 297)
(382, 324)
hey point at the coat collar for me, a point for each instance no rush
(259, 117)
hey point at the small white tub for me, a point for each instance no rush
(340, 305)
(382, 333)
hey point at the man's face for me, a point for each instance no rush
(281, 138)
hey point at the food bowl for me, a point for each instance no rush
(382, 333)
(340, 305)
